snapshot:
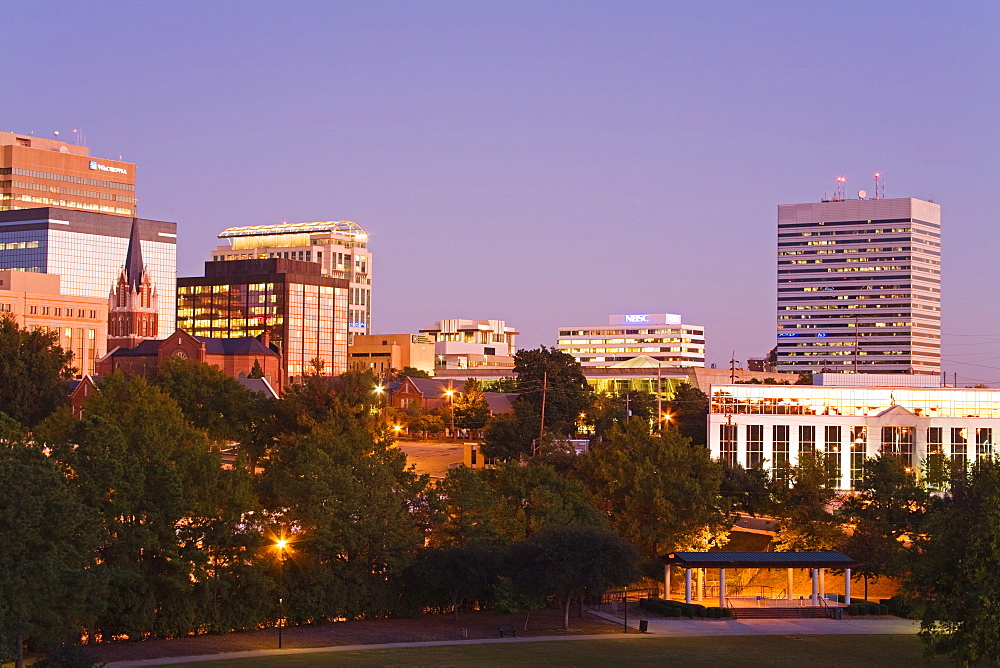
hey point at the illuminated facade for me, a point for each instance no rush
(859, 286)
(37, 172)
(660, 336)
(383, 354)
(304, 312)
(470, 344)
(133, 305)
(86, 250)
(769, 425)
(35, 301)
(339, 247)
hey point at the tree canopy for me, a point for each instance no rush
(33, 371)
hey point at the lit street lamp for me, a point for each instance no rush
(281, 545)
(451, 402)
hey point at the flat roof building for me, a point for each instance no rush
(339, 247)
(302, 311)
(88, 250)
(36, 301)
(659, 336)
(37, 172)
(383, 354)
(468, 344)
(859, 286)
(771, 425)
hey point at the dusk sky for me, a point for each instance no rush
(545, 163)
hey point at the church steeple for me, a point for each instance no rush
(133, 304)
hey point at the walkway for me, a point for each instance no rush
(662, 628)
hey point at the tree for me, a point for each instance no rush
(533, 497)
(573, 561)
(33, 369)
(550, 376)
(411, 372)
(454, 575)
(257, 371)
(660, 493)
(608, 410)
(954, 576)
(47, 536)
(805, 521)
(745, 490)
(209, 399)
(688, 410)
(470, 407)
(464, 510)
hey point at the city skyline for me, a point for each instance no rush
(541, 164)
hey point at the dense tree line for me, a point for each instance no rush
(159, 514)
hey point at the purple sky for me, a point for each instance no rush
(545, 163)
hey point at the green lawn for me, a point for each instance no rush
(825, 650)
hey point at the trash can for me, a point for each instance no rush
(643, 625)
(838, 613)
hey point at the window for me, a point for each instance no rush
(807, 439)
(727, 441)
(959, 446)
(984, 442)
(58, 311)
(779, 450)
(831, 438)
(935, 457)
(859, 448)
(898, 442)
(755, 445)
(45, 310)
(33, 310)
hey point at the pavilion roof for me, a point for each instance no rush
(828, 559)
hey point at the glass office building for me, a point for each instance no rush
(87, 250)
(302, 311)
(662, 337)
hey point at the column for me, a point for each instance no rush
(822, 582)
(791, 583)
(666, 582)
(847, 586)
(701, 584)
(814, 598)
(722, 587)
(687, 585)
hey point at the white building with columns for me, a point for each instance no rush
(770, 425)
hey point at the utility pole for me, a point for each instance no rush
(659, 397)
(628, 410)
(732, 368)
(545, 389)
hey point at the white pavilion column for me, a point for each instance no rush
(847, 586)
(701, 584)
(687, 585)
(666, 582)
(791, 583)
(722, 587)
(822, 583)
(815, 586)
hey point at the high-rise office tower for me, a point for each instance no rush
(859, 286)
(86, 249)
(339, 247)
(37, 172)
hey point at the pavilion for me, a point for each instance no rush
(816, 562)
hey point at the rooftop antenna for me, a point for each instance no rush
(841, 181)
(879, 194)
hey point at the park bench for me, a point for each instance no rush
(508, 628)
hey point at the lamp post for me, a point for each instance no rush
(281, 545)
(451, 402)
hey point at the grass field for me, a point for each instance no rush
(825, 650)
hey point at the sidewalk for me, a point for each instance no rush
(662, 628)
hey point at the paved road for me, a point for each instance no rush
(431, 458)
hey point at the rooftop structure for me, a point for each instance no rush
(468, 344)
(339, 247)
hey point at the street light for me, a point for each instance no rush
(451, 402)
(281, 545)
